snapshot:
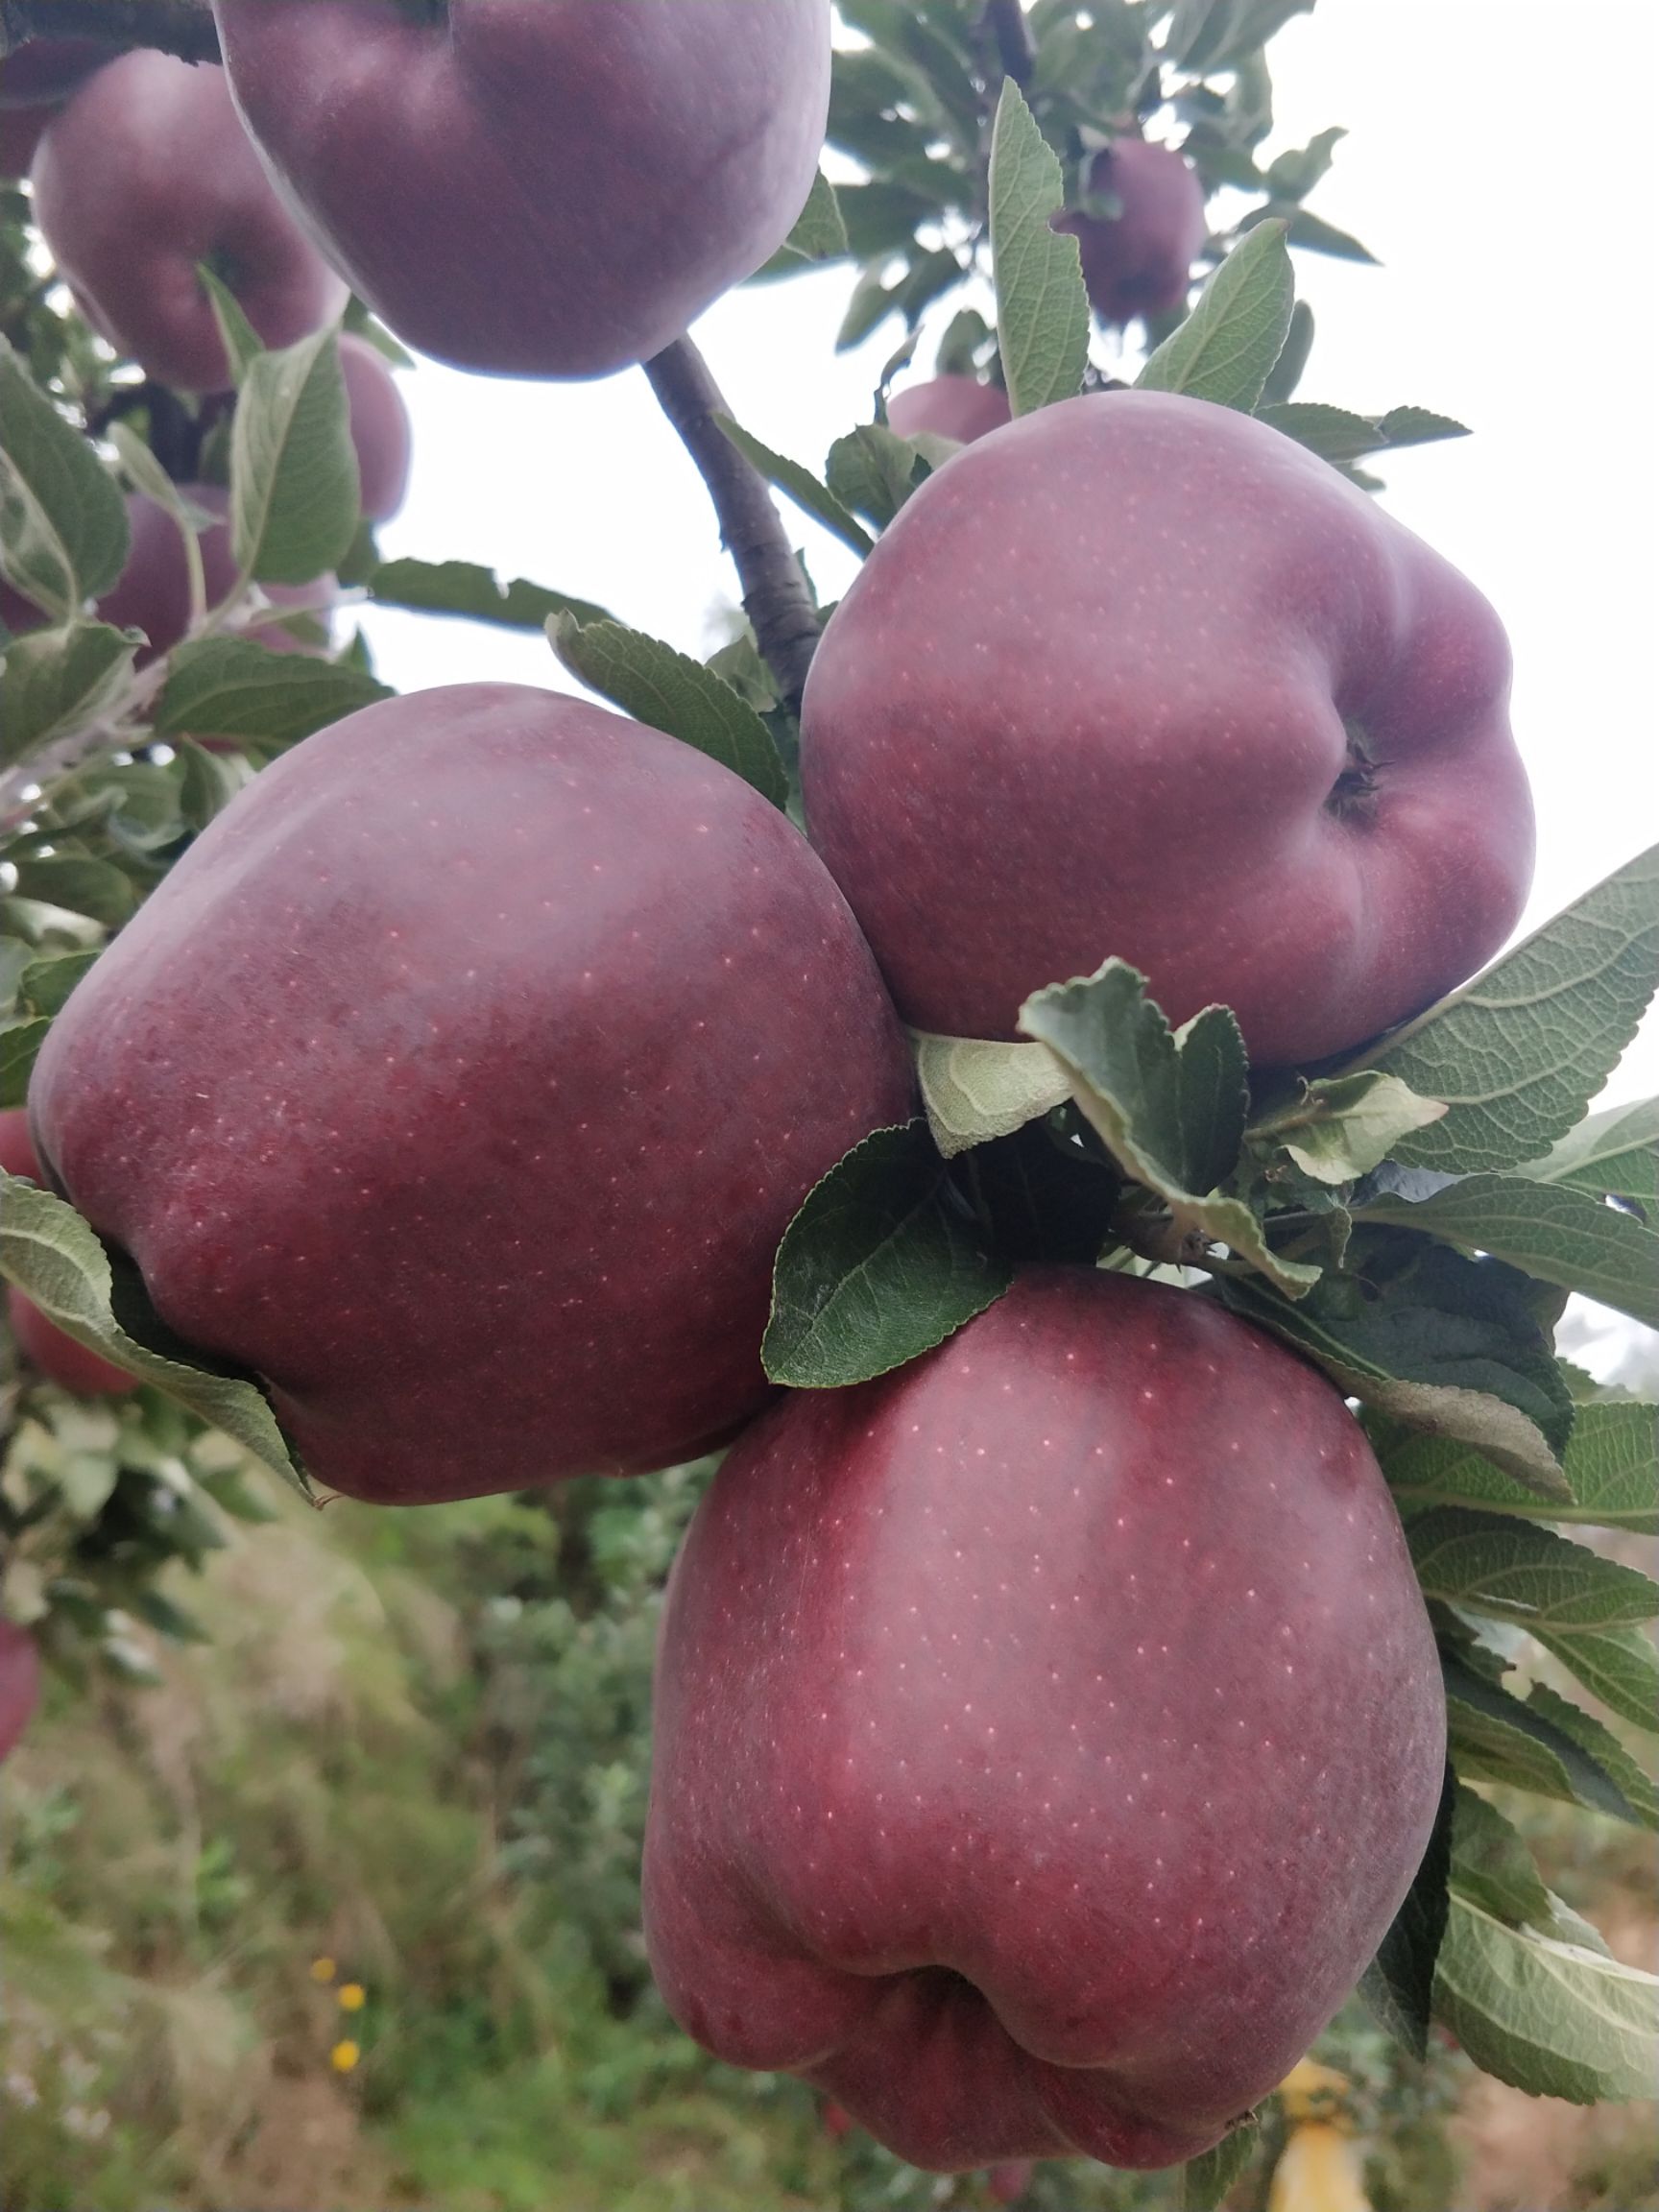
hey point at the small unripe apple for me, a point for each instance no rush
(1139, 261)
(19, 1684)
(959, 407)
(146, 173)
(380, 429)
(533, 189)
(1045, 1733)
(1140, 677)
(48, 1348)
(500, 1039)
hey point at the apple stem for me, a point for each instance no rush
(181, 27)
(775, 595)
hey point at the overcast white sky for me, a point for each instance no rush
(1499, 165)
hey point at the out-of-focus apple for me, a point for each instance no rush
(958, 407)
(19, 1684)
(144, 174)
(1139, 261)
(34, 81)
(380, 429)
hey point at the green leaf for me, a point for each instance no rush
(1318, 236)
(46, 985)
(79, 885)
(671, 693)
(1518, 1052)
(1206, 35)
(1335, 433)
(1041, 307)
(1398, 1986)
(1555, 1232)
(243, 344)
(975, 1089)
(1227, 348)
(1293, 176)
(63, 532)
(1169, 1106)
(1418, 426)
(464, 587)
(1205, 2182)
(801, 487)
(818, 234)
(294, 489)
(1441, 1343)
(881, 1262)
(872, 472)
(53, 1256)
(20, 1042)
(231, 687)
(1293, 357)
(1611, 1463)
(1344, 1126)
(1619, 1665)
(1492, 1867)
(1510, 1570)
(60, 682)
(1614, 1154)
(1523, 1742)
(1552, 2018)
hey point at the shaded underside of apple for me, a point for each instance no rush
(533, 190)
(460, 1082)
(1045, 1735)
(1138, 676)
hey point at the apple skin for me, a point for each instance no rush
(958, 407)
(380, 430)
(461, 1081)
(1094, 695)
(48, 1348)
(146, 173)
(1140, 262)
(532, 187)
(19, 1684)
(1045, 1733)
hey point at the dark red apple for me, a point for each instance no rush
(19, 1684)
(380, 427)
(534, 189)
(1045, 1733)
(146, 173)
(1139, 261)
(1007, 2182)
(958, 407)
(1140, 676)
(48, 1348)
(460, 1080)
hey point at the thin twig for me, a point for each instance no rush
(181, 27)
(1013, 41)
(775, 595)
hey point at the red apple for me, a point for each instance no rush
(460, 1080)
(538, 191)
(1140, 676)
(48, 1348)
(1006, 2184)
(380, 427)
(958, 407)
(146, 173)
(1045, 1733)
(19, 1684)
(1140, 261)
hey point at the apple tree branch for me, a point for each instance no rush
(775, 595)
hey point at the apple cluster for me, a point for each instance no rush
(1047, 1731)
